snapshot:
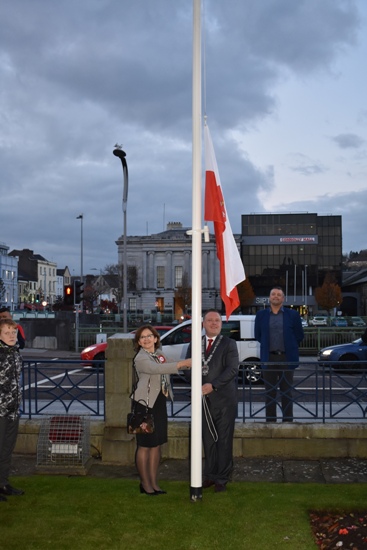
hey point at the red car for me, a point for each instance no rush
(97, 352)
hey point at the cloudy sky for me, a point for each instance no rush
(285, 97)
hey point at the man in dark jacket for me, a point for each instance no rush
(279, 331)
(219, 377)
(10, 399)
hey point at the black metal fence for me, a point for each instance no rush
(61, 386)
(320, 393)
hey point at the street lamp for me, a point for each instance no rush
(80, 217)
(118, 152)
(306, 291)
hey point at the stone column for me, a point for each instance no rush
(205, 270)
(150, 274)
(168, 271)
(187, 263)
(117, 445)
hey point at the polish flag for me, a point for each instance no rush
(231, 268)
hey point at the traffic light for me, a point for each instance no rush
(78, 292)
(68, 295)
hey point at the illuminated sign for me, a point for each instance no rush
(297, 239)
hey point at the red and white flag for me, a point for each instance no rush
(231, 268)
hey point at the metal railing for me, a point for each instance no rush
(61, 386)
(320, 393)
(317, 338)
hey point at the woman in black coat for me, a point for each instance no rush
(153, 387)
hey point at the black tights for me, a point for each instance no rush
(147, 460)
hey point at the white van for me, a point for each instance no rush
(239, 327)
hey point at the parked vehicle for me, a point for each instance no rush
(318, 321)
(239, 327)
(97, 352)
(345, 354)
(339, 322)
(357, 322)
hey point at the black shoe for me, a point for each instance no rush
(3, 499)
(208, 483)
(144, 492)
(10, 491)
(160, 492)
(220, 488)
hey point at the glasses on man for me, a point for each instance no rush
(146, 336)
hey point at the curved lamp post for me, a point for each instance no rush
(118, 152)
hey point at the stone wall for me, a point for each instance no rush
(110, 439)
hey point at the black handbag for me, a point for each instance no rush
(140, 422)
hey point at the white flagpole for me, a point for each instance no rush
(196, 427)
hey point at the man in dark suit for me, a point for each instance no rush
(220, 369)
(279, 331)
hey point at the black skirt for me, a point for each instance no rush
(159, 436)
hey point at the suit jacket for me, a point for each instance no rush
(149, 373)
(292, 334)
(223, 371)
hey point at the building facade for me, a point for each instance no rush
(9, 278)
(294, 251)
(38, 276)
(159, 273)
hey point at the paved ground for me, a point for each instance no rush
(348, 470)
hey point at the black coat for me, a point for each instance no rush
(223, 371)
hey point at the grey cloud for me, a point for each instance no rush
(309, 170)
(302, 164)
(348, 141)
(79, 76)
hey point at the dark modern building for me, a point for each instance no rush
(294, 251)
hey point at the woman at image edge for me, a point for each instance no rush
(153, 386)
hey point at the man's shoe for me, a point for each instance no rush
(208, 483)
(220, 488)
(2, 499)
(10, 491)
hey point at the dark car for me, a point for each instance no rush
(97, 352)
(357, 322)
(347, 354)
(339, 322)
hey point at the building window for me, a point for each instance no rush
(178, 276)
(160, 276)
(132, 304)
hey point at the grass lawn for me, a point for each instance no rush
(90, 513)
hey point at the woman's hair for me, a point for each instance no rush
(138, 333)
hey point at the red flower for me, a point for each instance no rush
(343, 531)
